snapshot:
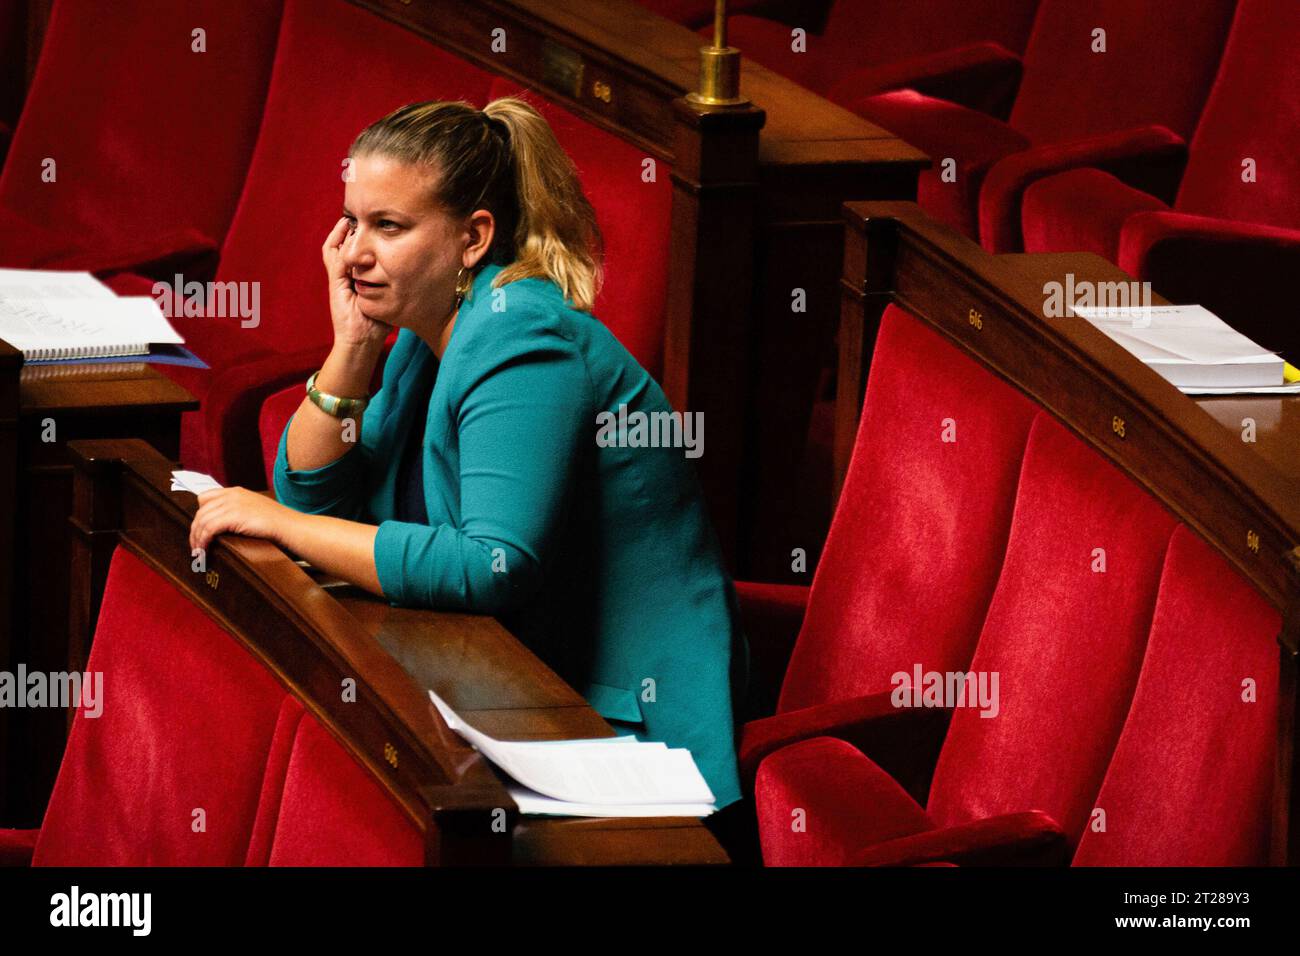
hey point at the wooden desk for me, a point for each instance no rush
(42, 408)
(502, 689)
(311, 633)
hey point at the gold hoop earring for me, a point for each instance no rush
(464, 282)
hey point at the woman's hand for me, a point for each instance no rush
(351, 328)
(240, 511)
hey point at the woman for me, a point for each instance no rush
(473, 479)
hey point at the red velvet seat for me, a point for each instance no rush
(313, 112)
(1191, 780)
(1174, 793)
(633, 215)
(312, 115)
(200, 756)
(1065, 639)
(1129, 108)
(1227, 243)
(870, 45)
(872, 610)
(150, 159)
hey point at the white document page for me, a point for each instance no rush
(534, 804)
(1190, 346)
(193, 481)
(85, 324)
(591, 771)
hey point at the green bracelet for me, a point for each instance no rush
(333, 404)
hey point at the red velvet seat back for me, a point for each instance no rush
(1253, 113)
(1064, 638)
(187, 723)
(1191, 780)
(149, 136)
(338, 69)
(333, 813)
(914, 548)
(1159, 63)
(865, 34)
(873, 32)
(191, 721)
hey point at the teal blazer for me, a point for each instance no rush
(597, 555)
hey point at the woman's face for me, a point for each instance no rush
(403, 250)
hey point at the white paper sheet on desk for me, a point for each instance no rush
(1289, 388)
(193, 481)
(1191, 333)
(592, 772)
(532, 803)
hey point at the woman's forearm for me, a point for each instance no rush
(315, 438)
(345, 549)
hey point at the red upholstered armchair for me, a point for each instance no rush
(1120, 648)
(633, 216)
(1015, 777)
(201, 757)
(312, 115)
(1232, 236)
(933, 469)
(153, 185)
(1195, 804)
(1128, 109)
(963, 51)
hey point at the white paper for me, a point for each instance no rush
(532, 803)
(193, 481)
(85, 325)
(1191, 347)
(1290, 388)
(592, 772)
(50, 284)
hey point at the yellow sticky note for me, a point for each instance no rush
(1290, 373)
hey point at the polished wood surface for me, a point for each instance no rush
(42, 409)
(312, 633)
(1241, 497)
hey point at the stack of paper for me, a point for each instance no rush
(1193, 348)
(50, 316)
(604, 777)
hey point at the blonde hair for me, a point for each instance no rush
(506, 159)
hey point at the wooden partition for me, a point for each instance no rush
(42, 409)
(1243, 498)
(311, 633)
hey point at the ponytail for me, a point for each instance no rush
(506, 159)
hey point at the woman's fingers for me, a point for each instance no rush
(332, 251)
(339, 233)
(206, 525)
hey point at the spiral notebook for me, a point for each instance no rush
(46, 329)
